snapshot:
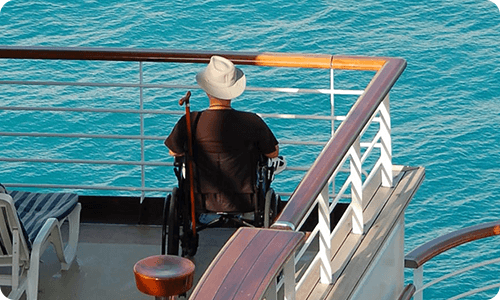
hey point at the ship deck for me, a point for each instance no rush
(107, 251)
(105, 259)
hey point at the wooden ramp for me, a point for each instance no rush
(370, 265)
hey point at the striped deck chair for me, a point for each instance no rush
(28, 223)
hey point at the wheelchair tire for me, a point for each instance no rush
(173, 224)
(270, 208)
(166, 204)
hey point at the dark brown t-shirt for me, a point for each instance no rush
(227, 145)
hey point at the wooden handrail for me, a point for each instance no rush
(298, 60)
(247, 264)
(429, 250)
(407, 292)
(157, 55)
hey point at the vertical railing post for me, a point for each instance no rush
(271, 293)
(356, 188)
(385, 138)
(332, 100)
(325, 243)
(141, 100)
(418, 282)
(332, 115)
(289, 279)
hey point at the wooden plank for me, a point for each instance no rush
(222, 263)
(358, 63)
(375, 237)
(380, 198)
(248, 264)
(408, 292)
(312, 288)
(346, 243)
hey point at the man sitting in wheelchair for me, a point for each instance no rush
(227, 144)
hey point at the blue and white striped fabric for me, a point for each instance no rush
(35, 208)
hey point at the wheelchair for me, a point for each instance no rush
(177, 209)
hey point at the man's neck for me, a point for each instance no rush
(216, 103)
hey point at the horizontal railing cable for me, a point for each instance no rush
(93, 110)
(475, 291)
(463, 270)
(80, 135)
(417, 258)
(123, 137)
(88, 161)
(158, 112)
(178, 86)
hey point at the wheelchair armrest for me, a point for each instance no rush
(178, 161)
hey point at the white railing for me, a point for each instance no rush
(358, 179)
(417, 258)
(363, 139)
(141, 137)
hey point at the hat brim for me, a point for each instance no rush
(222, 92)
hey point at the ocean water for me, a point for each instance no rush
(445, 108)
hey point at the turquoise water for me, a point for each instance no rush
(445, 108)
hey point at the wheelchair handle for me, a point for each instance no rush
(185, 99)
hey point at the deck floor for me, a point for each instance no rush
(107, 252)
(105, 260)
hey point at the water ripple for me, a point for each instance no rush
(445, 107)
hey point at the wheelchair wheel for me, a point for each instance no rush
(166, 203)
(270, 208)
(173, 224)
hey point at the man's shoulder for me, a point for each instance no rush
(234, 115)
(246, 114)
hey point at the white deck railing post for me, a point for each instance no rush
(332, 114)
(418, 282)
(272, 292)
(325, 243)
(141, 105)
(385, 138)
(289, 279)
(332, 100)
(356, 188)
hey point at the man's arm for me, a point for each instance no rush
(175, 154)
(273, 154)
(176, 138)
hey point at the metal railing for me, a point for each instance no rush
(417, 258)
(142, 56)
(362, 141)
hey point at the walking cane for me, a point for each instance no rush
(189, 159)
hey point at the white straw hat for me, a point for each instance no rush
(221, 79)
